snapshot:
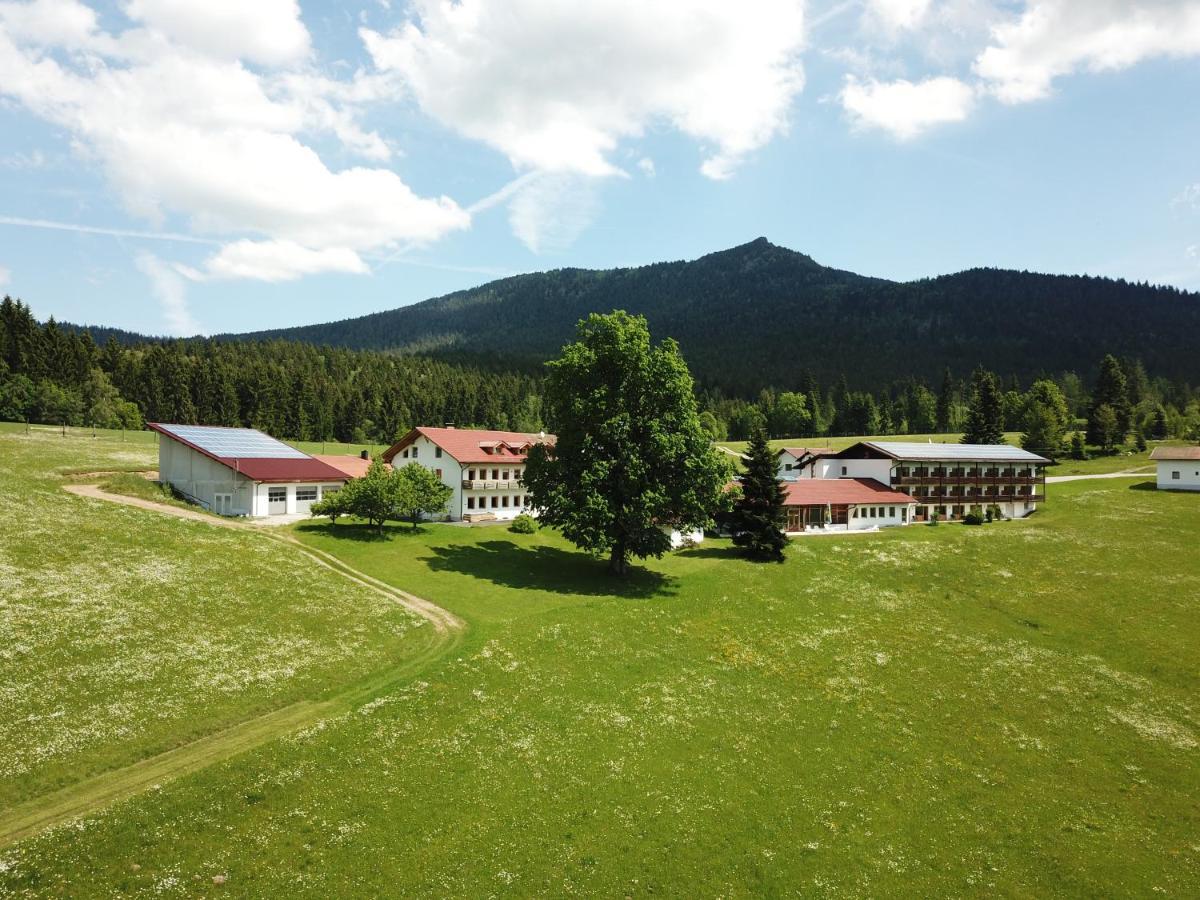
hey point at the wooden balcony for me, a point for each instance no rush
(500, 485)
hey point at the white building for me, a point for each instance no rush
(483, 468)
(844, 504)
(795, 462)
(241, 471)
(947, 479)
(1178, 468)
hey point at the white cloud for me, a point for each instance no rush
(34, 160)
(549, 212)
(5, 276)
(171, 293)
(904, 108)
(179, 126)
(898, 15)
(1053, 38)
(275, 261)
(646, 165)
(557, 86)
(268, 32)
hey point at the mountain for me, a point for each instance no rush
(760, 314)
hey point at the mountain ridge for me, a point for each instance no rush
(761, 315)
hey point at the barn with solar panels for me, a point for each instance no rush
(241, 471)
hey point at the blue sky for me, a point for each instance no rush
(183, 166)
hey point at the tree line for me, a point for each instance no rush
(298, 391)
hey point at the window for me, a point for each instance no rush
(405, 453)
(504, 501)
(892, 511)
(525, 500)
(470, 503)
(438, 473)
(504, 475)
(306, 494)
(276, 494)
(1175, 475)
(437, 451)
(414, 456)
(787, 467)
(872, 512)
(854, 515)
(470, 474)
(843, 470)
(495, 502)
(495, 474)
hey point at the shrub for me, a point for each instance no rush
(933, 518)
(523, 524)
(973, 518)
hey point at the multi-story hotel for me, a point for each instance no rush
(947, 479)
(483, 468)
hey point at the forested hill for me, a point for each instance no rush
(761, 315)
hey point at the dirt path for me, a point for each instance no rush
(93, 794)
(1129, 473)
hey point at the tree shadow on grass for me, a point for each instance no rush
(358, 531)
(711, 552)
(547, 569)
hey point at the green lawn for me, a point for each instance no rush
(927, 711)
(124, 633)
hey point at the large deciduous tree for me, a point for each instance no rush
(631, 460)
(758, 516)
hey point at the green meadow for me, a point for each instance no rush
(1009, 709)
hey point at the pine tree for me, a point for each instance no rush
(1111, 391)
(945, 403)
(758, 516)
(985, 415)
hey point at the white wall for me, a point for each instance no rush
(685, 538)
(888, 514)
(426, 451)
(1189, 474)
(201, 477)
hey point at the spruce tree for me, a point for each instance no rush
(985, 415)
(1111, 391)
(758, 515)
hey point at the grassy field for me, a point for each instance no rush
(1009, 709)
(124, 633)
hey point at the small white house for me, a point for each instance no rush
(241, 471)
(1178, 468)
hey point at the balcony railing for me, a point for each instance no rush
(491, 485)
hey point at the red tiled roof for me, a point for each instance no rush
(353, 466)
(470, 445)
(309, 469)
(838, 491)
(1179, 453)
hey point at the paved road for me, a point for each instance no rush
(1058, 479)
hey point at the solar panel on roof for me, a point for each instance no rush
(915, 450)
(234, 443)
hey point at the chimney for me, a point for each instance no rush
(364, 455)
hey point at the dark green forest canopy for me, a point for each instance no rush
(760, 316)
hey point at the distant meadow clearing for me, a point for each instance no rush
(1009, 709)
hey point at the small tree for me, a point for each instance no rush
(332, 505)
(758, 516)
(374, 496)
(1078, 449)
(1104, 428)
(419, 492)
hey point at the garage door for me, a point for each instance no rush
(276, 501)
(306, 495)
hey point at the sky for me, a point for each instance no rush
(207, 166)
